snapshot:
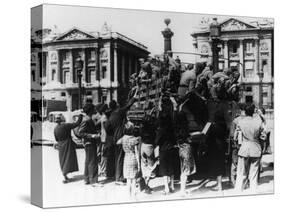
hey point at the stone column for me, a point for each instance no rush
(225, 54)
(123, 70)
(71, 67)
(115, 64)
(136, 65)
(83, 79)
(59, 70)
(85, 65)
(130, 65)
(256, 56)
(47, 67)
(108, 74)
(241, 58)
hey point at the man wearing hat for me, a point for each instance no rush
(89, 134)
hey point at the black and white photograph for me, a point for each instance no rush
(132, 106)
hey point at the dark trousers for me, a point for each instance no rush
(91, 163)
(119, 159)
(109, 153)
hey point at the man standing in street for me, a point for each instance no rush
(249, 154)
(88, 133)
(116, 123)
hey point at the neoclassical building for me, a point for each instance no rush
(109, 59)
(247, 47)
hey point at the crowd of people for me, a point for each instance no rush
(163, 144)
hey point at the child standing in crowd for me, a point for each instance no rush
(131, 163)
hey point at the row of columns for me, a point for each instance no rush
(241, 54)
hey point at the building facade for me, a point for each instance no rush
(109, 58)
(247, 47)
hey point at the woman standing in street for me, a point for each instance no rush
(165, 139)
(66, 147)
(217, 142)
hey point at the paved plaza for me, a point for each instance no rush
(57, 194)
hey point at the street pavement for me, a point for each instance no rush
(57, 194)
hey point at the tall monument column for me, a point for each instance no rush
(167, 34)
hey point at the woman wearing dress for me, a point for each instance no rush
(187, 161)
(131, 163)
(217, 142)
(165, 139)
(66, 147)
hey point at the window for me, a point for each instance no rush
(221, 66)
(103, 72)
(62, 94)
(249, 69)
(66, 76)
(104, 99)
(92, 55)
(249, 99)
(264, 66)
(249, 47)
(92, 74)
(234, 48)
(53, 74)
(33, 75)
(66, 56)
(249, 89)
(89, 93)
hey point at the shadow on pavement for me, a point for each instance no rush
(25, 198)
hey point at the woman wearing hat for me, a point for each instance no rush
(66, 147)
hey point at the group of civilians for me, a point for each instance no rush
(113, 150)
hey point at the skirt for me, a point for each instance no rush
(167, 166)
(130, 166)
(188, 166)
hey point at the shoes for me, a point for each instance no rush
(65, 181)
(147, 191)
(166, 192)
(102, 178)
(120, 183)
(87, 182)
(98, 185)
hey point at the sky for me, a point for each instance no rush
(142, 26)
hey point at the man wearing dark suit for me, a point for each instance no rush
(88, 132)
(116, 123)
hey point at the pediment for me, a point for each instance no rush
(233, 24)
(75, 34)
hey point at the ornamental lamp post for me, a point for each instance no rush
(167, 34)
(79, 67)
(215, 32)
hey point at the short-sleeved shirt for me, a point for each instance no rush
(251, 128)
